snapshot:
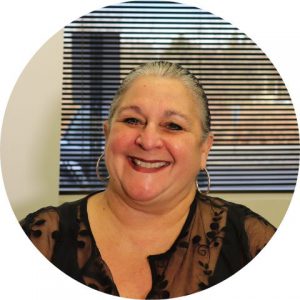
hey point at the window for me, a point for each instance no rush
(256, 136)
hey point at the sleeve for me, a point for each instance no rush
(42, 228)
(259, 231)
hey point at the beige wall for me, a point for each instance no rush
(30, 141)
(30, 132)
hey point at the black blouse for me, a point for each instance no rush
(218, 239)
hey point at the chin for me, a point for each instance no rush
(142, 194)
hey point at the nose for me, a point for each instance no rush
(149, 138)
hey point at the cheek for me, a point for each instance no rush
(116, 146)
(185, 151)
(119, 141)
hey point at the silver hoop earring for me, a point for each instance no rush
(208, 183)
(101, 178)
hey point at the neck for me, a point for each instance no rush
(153, 216)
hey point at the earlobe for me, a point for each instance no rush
(106, 129)
(210, 141)
(205, 149)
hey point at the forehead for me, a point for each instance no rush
(169, 93)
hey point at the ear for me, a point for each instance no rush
(106, 129)
(205, 148)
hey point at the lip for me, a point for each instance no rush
(143, 162)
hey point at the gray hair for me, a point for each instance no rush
(168, 70)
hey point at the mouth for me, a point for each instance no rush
(147, 166)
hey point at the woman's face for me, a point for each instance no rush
(154, 144)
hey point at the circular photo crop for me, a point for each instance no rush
(150, 150)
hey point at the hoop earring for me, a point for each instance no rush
(101, 178)
(208, 183)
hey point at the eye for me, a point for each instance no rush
(173, 126)
(132, 121)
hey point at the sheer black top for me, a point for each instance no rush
(217, 239)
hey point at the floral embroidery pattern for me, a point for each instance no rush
(212, 239)
(189, 266)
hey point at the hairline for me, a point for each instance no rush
(165, 69)
(118, 97)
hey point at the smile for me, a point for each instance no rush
(148, 165)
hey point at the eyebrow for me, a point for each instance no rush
(170, 113)
(130, 107)
(167, 113)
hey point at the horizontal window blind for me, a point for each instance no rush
(256, 145)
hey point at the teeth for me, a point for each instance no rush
(155, 165)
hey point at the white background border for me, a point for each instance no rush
(26, 25)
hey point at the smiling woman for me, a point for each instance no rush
(156, 122)
(163, 237)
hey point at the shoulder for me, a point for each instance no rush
(249, 225)
(45, 226)
(236, 210)
(49, 216)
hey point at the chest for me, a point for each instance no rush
(129, 268)
(127, 258)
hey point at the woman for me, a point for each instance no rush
(152, 233)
